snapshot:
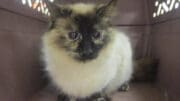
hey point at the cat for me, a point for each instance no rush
(84, 55)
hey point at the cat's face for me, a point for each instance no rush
(81, 30)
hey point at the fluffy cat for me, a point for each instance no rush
(84, 54)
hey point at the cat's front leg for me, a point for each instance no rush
(125, 87)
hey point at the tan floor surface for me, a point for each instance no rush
(137, 92)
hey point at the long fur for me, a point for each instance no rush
(111, 69)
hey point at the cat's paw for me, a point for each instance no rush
(96, 97)
(124, 87)
(102, 99)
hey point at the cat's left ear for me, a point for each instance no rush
(107, 10)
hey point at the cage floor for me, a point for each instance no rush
(137, 92)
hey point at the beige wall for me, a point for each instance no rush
(165, 46)
(20, 69)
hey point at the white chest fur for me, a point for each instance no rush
(82, 79)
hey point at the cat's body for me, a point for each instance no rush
(81, 78)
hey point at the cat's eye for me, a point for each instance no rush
(97, 35)
(74, 35)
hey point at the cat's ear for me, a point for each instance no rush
(107, 10)
(57, 10)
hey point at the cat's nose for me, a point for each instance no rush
(88, 53)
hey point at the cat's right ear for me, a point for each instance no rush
(57, 10)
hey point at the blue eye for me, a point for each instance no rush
(97, 35)
(74, 35)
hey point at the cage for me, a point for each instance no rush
(152, 26)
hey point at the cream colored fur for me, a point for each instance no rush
(81, 8)
(108, 71)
